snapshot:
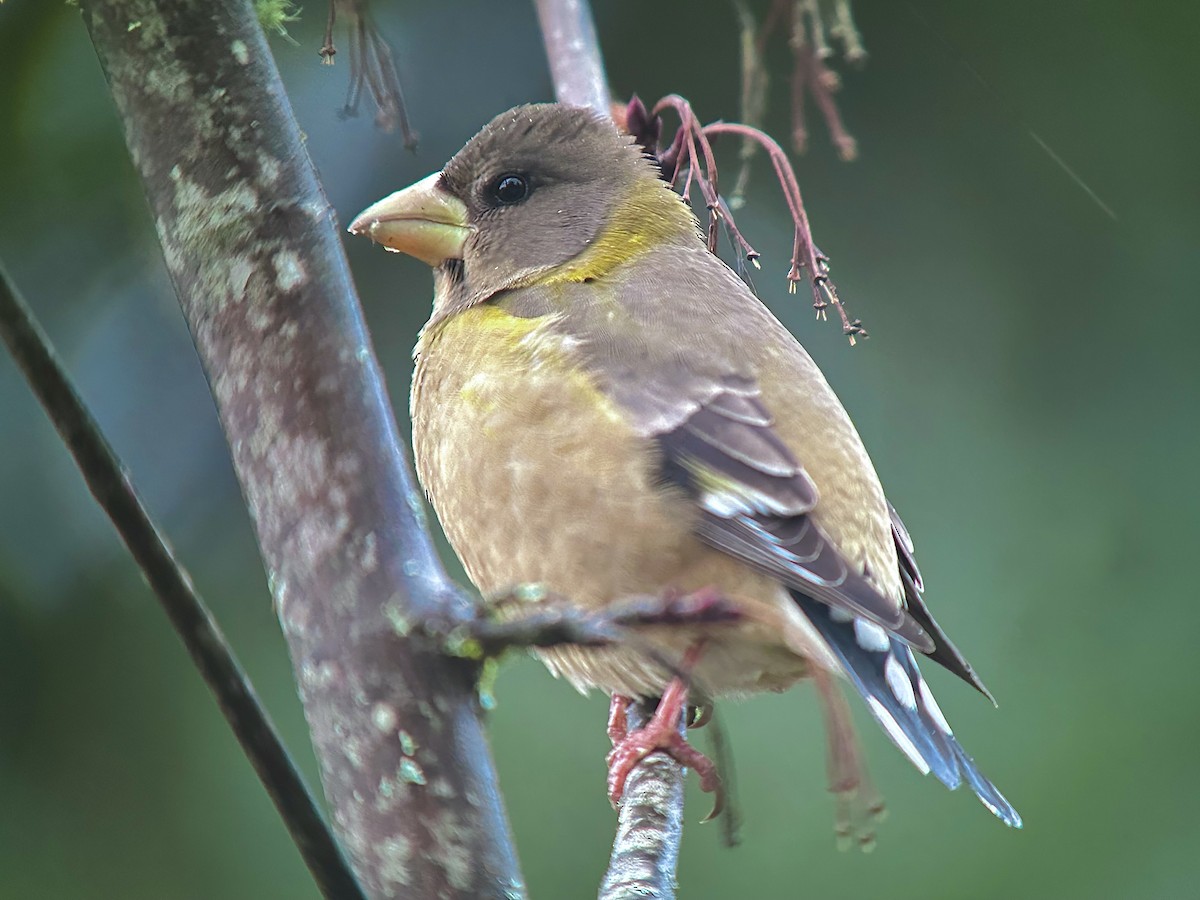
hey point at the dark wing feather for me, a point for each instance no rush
(755, 499)
(885, 673)
(945, 653)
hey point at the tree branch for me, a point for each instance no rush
(552, 620)
(576, 66)
(251, 246)
(645, 852)
(110, 485)
(650, 824)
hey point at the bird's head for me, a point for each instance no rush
(543, 192)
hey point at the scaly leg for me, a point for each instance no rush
(618, 718)
(660, 733)
(858, 807)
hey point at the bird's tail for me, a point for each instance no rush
(884, 671)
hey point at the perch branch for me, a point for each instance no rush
(649, 826)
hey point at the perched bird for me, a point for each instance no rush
(602, 407)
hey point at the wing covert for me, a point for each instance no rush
(755, 499)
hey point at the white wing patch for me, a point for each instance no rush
(931, 707)
(896, 733)
(899, 682)
(871, 636)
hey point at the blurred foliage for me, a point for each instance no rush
(1028, 393)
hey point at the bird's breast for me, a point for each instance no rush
(533, 472)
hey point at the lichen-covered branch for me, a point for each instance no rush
(645, 852)
(110, 485)
(252, 248)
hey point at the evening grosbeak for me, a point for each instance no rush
(601, 407)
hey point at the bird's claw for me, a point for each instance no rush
(857, 812)
(659, 734)
(699, 716)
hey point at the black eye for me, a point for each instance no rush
(509, 189)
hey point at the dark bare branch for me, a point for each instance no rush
(110, 484)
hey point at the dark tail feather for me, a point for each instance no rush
(884, 671)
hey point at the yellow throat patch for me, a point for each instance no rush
(648, 217)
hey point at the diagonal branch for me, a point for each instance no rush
(109, 483)
(251, 246)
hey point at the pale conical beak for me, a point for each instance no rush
(422, 220)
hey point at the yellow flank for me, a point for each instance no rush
(648, 217)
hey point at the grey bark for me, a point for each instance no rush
(573, 52)
(253, 249)
(645, 851)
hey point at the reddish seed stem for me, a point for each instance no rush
(691, 149)
(694, 147)
(804, 249)
(704, 174)
(822, 82)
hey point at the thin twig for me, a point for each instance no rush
(109, 483)
(535, 618)
(722, 757)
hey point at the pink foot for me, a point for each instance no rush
(660, 734)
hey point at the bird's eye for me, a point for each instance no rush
(509, 189)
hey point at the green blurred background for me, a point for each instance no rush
(1029, 393)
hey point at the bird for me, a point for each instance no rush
(601, 407)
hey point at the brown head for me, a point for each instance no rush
(529, 194)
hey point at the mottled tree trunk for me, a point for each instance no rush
(253, 250)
